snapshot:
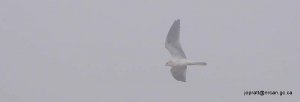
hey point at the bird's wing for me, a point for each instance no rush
(172, 42)
(179, 73)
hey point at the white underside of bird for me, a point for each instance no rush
(178, 63)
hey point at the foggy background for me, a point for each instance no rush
(113, 50)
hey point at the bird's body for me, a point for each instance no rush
(178, 63)
(182, 62)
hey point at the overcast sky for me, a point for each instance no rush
(113, 50)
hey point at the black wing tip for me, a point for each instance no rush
(177, 21)
(181, 80)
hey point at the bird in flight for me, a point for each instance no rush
(178, 63)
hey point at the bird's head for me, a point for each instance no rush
(169, 63)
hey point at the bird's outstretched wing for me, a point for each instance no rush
(172, 42)
(179, 73)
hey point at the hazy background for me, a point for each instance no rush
(113, 50)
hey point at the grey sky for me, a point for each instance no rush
(113, 50)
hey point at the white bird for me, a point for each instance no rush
(178, 63)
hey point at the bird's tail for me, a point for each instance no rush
(199, 63)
